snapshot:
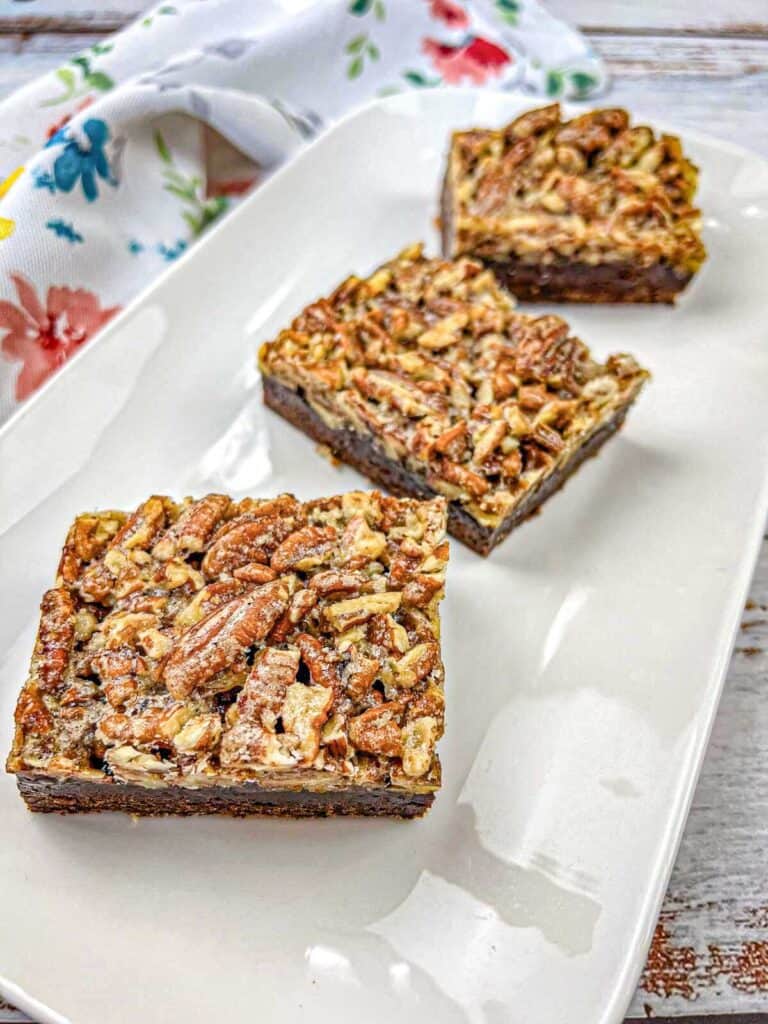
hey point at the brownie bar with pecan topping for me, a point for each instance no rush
(588, 210)
(426, 378)
(240, 657)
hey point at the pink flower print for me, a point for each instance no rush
(451, 14)
(476, 59)
(43, 337)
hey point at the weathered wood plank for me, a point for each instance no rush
(710, 953)
(736, 17)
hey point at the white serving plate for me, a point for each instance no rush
(585, 657)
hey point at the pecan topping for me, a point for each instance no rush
(591, 189)
(221, 642)
(450, 383)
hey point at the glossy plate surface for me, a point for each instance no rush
(584, 657)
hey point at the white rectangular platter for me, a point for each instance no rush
(584, 657)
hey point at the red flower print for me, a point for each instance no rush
(449, 13)
(476, 59)
(44, 337)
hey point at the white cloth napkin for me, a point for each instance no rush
(107, 175)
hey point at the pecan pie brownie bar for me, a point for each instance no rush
(240, 657)
(427, 379)
(588, 210)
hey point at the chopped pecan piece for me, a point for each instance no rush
(254, 572)
(304, 713)
(377, 731)
(193, 528)
(200, 733)
(418, 744)
(360, 674)
(348, 613)
(322, 662)
(415, 664)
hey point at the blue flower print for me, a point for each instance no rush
(64, 230)
(82, 163)
(172, 252)
(43, 179)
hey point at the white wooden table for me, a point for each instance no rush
(702, 64)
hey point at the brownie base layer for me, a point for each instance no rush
(586, 282)
(72, 796)
(360, 452)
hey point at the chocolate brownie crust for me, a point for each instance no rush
(618, 282)
(71, 796)
(368, 458)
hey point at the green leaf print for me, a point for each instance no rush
(554, 83)
(200, 212)
(360, 47)
(582, 82)
(509, 10)
(165, 9)
(420, 80)
(162, 148)
(99, 80)
(89, 78)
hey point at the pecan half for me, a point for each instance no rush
(273, 672)
(305, 549)
(251, 540)
(31, 713)
(54, 639)
(142, 526)
(216, 642)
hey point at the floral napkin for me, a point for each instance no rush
(113, 164)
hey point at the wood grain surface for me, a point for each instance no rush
(702, 65)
